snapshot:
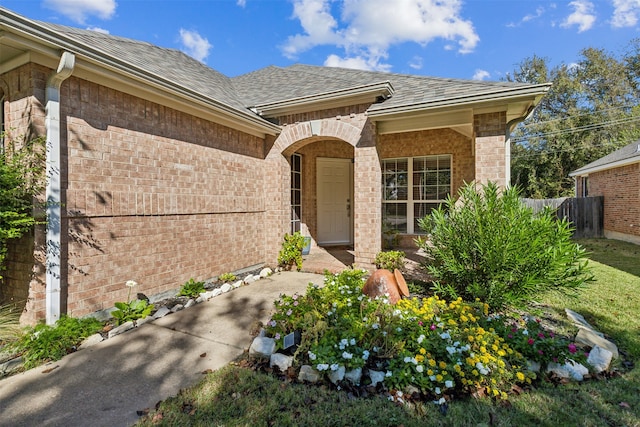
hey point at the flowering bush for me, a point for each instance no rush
(527, 336)
(442, 348)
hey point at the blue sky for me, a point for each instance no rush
(471, 39)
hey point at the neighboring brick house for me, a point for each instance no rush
(615, 176)
(162, 169)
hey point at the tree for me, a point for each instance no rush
(590, 111)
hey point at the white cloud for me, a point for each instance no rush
(241, 3)
(356, 62)
(481, 75)
(98, 30)
(365, 29)
(625, 13)
(583, 16)
(194, 44)
(416, 62)
(79, 10)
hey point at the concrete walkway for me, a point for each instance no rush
(105, 385)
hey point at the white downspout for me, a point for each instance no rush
(54, 190)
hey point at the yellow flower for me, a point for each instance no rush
(520, 376)
(423, 351)
(470, 338)
(419, 358)
(432, 362)
(439, 378)
(442, 365)
(429, 372)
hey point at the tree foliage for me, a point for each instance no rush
(21, 178)
(591, 110)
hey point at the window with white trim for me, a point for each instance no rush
(412, 187)
(296, 192)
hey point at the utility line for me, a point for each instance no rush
(591, 126)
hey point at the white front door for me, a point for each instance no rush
(334, 184)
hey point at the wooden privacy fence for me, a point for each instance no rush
(586, 214)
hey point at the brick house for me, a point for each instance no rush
(162, 169)
(615, 176)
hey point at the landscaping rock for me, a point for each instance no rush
(10, 365)
(377, 377)
(177, 308)
(89, 341)
(282, 361)
(265, 272)
(250, 279)
(237, 284)
(572, 370)
(354, 376)
(147, 319)
(309, 374)
(190, 303)
(162, 311)
(226, 287)
(591, 339)
(337, 375)
(262, 346)
(581, 322)
(599, 359)
(120, 329)
(216, 292)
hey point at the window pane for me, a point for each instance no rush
(394, 179)
(420, 210)
(394, 216)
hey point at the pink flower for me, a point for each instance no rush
(540, 335)
(572, 348)
(540, 352)
(432, 327)
(295, 303)
(420, 323)
(289, 312)
(530, 341)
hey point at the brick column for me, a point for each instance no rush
(367, 199)
(490, 149)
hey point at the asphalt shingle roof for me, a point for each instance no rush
(271, 84)
(274, 84)
(631, 151)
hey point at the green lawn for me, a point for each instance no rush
(236, 396)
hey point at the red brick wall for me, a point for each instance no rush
(490, 148)
(621, 190)
(149, 193)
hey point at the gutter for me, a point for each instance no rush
(53, 192)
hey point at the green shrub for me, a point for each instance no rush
(9, 323)
(291, 252)
(191, 289)
(21, 178)
(390, 260)
(227, 277)
(132, 309)
(488, 245)
(44, 343)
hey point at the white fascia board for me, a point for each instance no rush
(503, 96)
(437, 120)
(606, 166)
(351, 96)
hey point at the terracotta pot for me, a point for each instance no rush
(383, 282)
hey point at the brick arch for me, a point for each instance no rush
(317, 130)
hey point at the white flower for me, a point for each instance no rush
(448, 384)
(353, 341)
(131, 283)
(525, 332)
(407, 359)
(388, 374)
(432, 377)
(365, 355)
(437, 390)
(312, 356)
(445, 335)
(421, 338)
(442, 401)
(420, 368)
(399, 329)
(322, 366)
(451, 350)
(375, 326)
(334, 367)
(346, 355)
